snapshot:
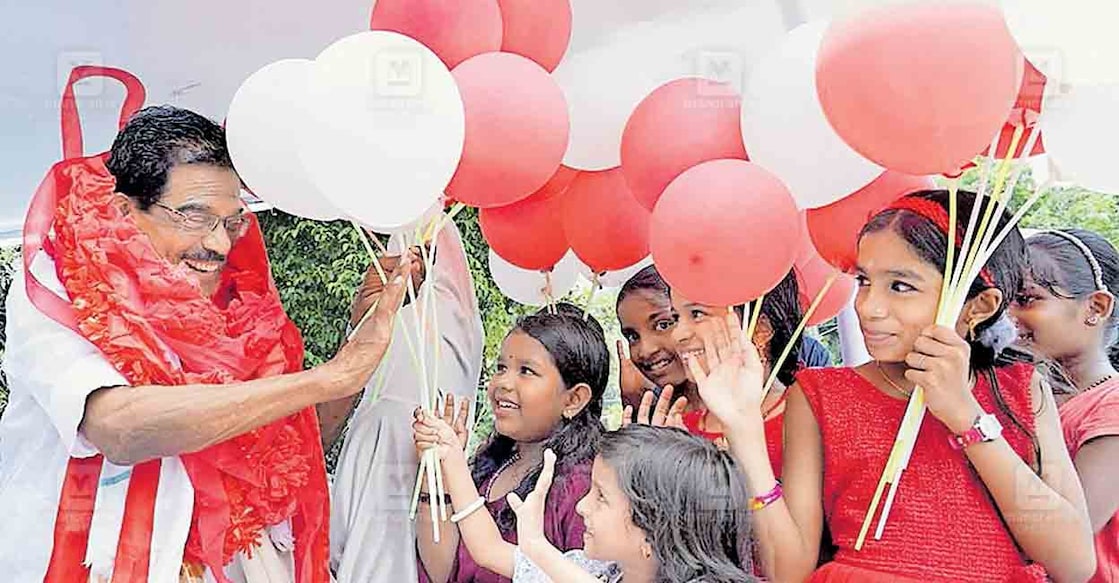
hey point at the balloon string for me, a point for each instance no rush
(595, 284)
(890, 473)
(549, 301)
(797, 333)
(755, 316)
(443, 219)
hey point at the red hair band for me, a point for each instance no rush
(936, 214)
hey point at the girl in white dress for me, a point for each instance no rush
(664, 506)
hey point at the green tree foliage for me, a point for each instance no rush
(1061, 206)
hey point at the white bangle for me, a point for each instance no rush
(470, 509)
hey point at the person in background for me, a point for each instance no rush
(1067, 313)
(780, 315)
(647, 319)
(813, 353)
(372, 538)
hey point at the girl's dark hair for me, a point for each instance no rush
(1007, 268)
(689, 499)
(648, 279)
(1061, 267)
(1007, 265)
(578, 349)
(781, 306)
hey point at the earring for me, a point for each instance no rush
(971, 331)
(647, 552)
(1093, 320)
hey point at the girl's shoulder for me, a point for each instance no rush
(525, 571)
(573, 478)
(814, 377)
(827, 384)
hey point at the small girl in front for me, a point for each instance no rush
(545, 393)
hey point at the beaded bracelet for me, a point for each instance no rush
(758, 502)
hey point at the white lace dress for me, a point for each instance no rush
(527, 572)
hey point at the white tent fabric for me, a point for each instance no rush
(192, 54)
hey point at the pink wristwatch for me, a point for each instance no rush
(986, 428)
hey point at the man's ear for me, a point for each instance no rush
(123, 203)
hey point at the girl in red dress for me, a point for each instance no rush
(1067, 313)
(975, 504)
(779, 318)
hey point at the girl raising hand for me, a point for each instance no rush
(990, 493)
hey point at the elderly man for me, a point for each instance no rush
(160, 425)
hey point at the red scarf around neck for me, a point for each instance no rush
(151, 321)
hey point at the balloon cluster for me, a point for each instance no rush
(592, 134)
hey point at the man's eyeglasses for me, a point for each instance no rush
(199, 222)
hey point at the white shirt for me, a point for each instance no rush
(51, 370)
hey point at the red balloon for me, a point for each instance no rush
(607, 228)
(1025, 114)
(717, 231)
(919, 88)
(526, 233)
(813, 274)
(835, 228)
(454, 30)
(516, 129)
(537, 29)
(679, 125)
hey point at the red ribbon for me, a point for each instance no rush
(935, 214)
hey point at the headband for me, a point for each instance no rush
(1097, 271)
(936, 214)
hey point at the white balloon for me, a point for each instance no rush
(1080, 128)
(619, 278)
(409, 230)
(608, 70)
(528, 287)
(262, 129)
(387, 129)
(1071, 41)
(785, 130)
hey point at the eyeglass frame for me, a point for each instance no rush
(180, 219)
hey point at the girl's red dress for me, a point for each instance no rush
(943, 526)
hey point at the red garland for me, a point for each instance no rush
(138, 310)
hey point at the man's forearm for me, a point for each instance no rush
(333, 416)
(130, 425)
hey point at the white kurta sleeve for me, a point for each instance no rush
(55, 365)
(372, 539)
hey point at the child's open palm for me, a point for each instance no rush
(530, 511)
(732, 388)
(447, 434)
